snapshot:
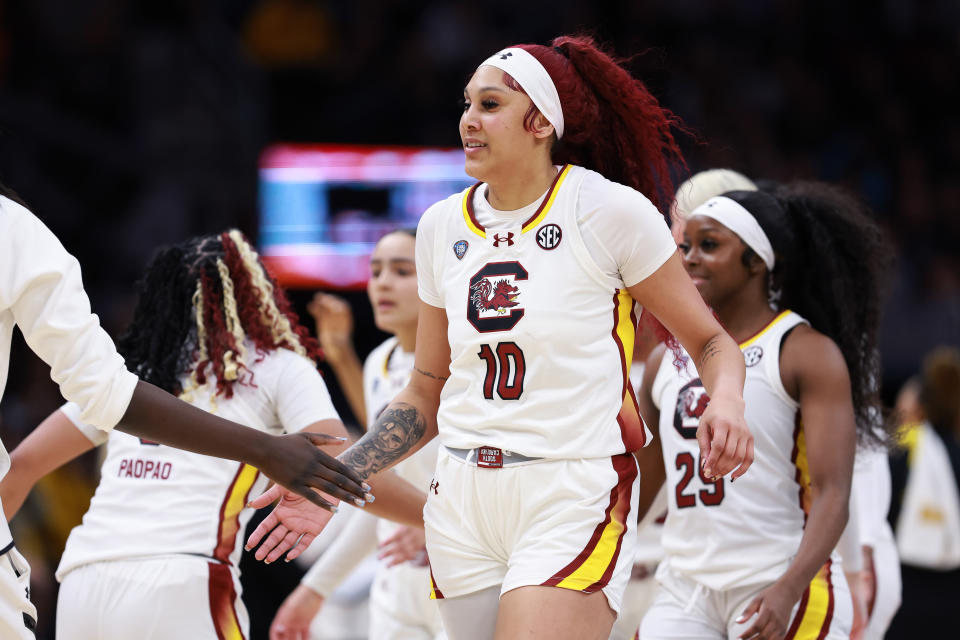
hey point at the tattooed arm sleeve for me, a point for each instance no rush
(396, 434)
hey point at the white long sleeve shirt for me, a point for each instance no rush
(41, 291)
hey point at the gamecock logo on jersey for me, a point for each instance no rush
(492, 301)
(692, 401)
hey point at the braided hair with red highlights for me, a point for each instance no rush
(200, 304)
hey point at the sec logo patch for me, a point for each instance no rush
(549, 236)
(752, 356)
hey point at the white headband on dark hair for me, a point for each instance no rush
(735, 217)
(533, 77)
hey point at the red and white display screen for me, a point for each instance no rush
(323, 207)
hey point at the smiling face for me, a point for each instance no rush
(393, 283)
(712, 255)
(492, 130)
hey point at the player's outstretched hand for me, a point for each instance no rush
(294, 616)
(296, 462)
(726, 443)
(407, 544)
(290, 527)
(772, 608)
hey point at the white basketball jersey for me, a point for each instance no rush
(155, 500)
(541, 339)
(722, 534)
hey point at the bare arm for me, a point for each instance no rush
(291, 460)
(829, 428)
(334, 322)
(650, 458)
(410, 421)
(813, 366)
(725, 441)
(55, 442)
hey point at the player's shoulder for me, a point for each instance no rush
(809, 354)
(14, 215)
(381, 350)
(277, 361)
(598, 190)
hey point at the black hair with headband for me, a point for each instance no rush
(832, 265)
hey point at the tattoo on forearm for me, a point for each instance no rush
(710, 350)
(428, 374)
(398, 428)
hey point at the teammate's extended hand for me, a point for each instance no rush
(296, 462)
(294, 616)
(726, 443)
(772, 607)
(406, 545)
(292, 525)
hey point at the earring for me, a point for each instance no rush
(773, 296)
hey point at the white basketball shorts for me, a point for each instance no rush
(685, 608)
(561, 523)
(165, 598)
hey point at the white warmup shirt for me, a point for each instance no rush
(726, 535)
(41, 291)
(386, 371)
(540, 323)
(155, 500)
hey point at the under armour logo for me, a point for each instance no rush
(506, 55)
(433, 487)
(498, 238)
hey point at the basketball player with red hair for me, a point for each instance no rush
(530, 283)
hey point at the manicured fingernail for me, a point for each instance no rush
(365, 486)
(369, 497)
(359, 502)
(340, 438)
(740, 619)
(707, 472)
(286, 559)
(267, 561)
(248, 547)
(334, 509)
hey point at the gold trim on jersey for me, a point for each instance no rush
(233, 504)
(802, 464)
(749, 341)
(473, 225)
(632, 430)
(386, 361)
(815, 611)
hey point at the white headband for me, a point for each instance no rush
(735, 217)
(534, 79)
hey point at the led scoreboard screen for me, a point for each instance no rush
(323, 207)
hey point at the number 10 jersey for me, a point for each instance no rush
(541, 339)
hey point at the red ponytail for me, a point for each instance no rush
(612, 123)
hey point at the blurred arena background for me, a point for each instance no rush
(126, 125)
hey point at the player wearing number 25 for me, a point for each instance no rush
(530, 283)
(795, 278)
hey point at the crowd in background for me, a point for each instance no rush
(126, 125)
